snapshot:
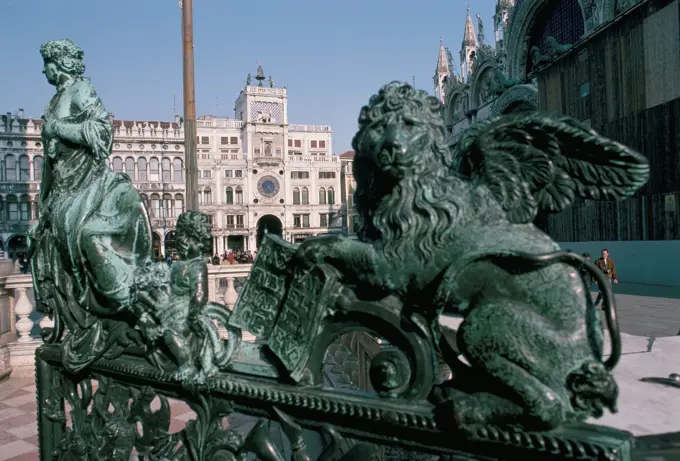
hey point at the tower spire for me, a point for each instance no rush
(469, 39)
(443, 71)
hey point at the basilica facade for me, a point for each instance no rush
(612, 64)
(257, 173)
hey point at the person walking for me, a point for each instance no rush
(606, 265)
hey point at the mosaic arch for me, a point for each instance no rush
(486, 70)
(457, 104)
(522, 97)
(523, 22)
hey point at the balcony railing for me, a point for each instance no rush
(310, 128)
(219, 123)
(22, 334)
(313, 158)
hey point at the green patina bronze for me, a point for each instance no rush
(443, 232)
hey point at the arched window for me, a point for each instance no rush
(230, 196)
(167, 167)
(239, 196)
(35, 204)
(305, 196)
(296, 196)
(155, 205)
(12, 207)
(141, 169)
(322, 196)
(331, 196)
(37, 168)
(179, 204)
(167, 205)
(154, 166)
(25, 208)
(178, 170)
(24, 168)
(117, 164)
(207, 196)
(3, 215)
(10, 168)
(130, 167)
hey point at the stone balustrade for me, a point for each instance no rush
(21, 324)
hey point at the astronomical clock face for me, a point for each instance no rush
(268, 186)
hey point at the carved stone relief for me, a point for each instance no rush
(520, 93)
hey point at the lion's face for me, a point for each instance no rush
(400, 132)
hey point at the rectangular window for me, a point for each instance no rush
(224, 140)
(25, 211)
(297, 220)
(322, 144)
(230, 221)
(13, 211)
(299, 174)
(238, 173)
(234, 140)
(290, 143)
(206, 174)
(228, 173)
(205, 139)
(298, 143)
(326, 174)
(256, 151)
(239, 221)
(305, 220)
(312, 144)
(323, 220)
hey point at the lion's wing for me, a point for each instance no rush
(534, 162)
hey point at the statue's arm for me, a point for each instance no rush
(90, 125)
(199, 295)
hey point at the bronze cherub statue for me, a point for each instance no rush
(173, 308)
(451, 232)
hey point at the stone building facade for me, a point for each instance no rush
(622, 80)
(257, 173)
(612, 64)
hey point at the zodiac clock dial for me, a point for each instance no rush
(268, 186)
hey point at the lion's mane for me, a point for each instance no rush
(410, 205)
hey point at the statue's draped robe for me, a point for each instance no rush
(93, 229)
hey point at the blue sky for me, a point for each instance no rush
(331, 55)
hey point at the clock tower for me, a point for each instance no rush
(262, 108)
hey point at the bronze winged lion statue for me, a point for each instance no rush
(452, 232)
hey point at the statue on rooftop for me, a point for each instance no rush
(451, 232)
(249, 79)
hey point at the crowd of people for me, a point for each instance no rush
(237, 256)
(233, 257)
